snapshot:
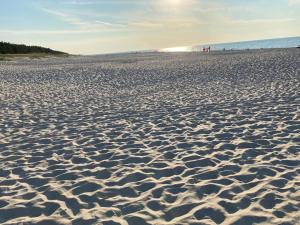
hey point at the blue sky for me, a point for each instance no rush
(102, 26)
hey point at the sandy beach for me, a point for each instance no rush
(151, 138)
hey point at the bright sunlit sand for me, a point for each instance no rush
(151, 139)
(177, 49)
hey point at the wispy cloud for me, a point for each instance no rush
(86, 25)
(103, 2)
(132, 23)
(294, 2)
(46, 32)
(79, 2)
(262, 21)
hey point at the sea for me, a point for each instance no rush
(289, 42)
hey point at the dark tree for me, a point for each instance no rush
(8, 48)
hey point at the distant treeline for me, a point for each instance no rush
(8, 48)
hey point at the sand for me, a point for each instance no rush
(151, 138)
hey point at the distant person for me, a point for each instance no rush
(208, 49)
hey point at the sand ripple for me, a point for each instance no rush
(151, 139)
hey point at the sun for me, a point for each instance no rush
(174, 1)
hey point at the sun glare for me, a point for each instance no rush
(177, 49)
(174, 1)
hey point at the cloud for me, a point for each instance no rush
(102, 2)
(86, 25)
(93, 26)
(79, 3)
(47, 32)
(260, 21)
(294, 2)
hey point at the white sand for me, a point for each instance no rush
(151, 139)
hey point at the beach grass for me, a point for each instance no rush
(9, 57)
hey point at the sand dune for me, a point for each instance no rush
(151, 139)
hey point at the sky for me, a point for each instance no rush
(105, 26)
